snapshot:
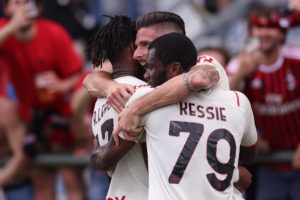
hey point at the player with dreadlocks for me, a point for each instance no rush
(114, 41)
(112, 38)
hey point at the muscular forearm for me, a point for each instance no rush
(106, 157)
(97, 83)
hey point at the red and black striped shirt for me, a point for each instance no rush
(274, 92)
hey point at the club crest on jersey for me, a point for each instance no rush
(256, 83)
(272, 98)
(290, 81)
(116, 198)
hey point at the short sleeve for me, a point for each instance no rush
(68, 61)
(223, 83)
(250, 135)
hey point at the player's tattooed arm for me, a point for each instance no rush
(100, 84)
(200, 78)
(174, 90)
(177, 89)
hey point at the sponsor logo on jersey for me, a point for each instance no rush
(256, 83)
(116, 198)
(276, 109)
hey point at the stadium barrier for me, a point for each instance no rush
(53, 160)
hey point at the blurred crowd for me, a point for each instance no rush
(45, 110)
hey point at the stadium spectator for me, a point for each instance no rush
(269, 76)
(43, 69)
(16, 185)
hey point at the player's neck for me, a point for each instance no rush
(122, 69)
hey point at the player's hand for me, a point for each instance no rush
(245, 179)
(296, 158)
(129, 125)
(118, 95)
(203, 77)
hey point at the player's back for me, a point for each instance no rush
(130, 177)
(193, 146)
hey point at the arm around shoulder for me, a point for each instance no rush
(177, 89)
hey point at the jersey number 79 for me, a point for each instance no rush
(195, 131)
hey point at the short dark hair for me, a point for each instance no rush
(175, 47)
(167, 20)
(111, 39)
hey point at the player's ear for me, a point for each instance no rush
(174, 69)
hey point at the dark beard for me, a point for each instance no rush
(161, 79)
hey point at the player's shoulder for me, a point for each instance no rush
(131, 80)
(230, 97)
(241, 99)
(140, 92)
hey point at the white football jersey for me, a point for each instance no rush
(193, 146)
(208, 60)
(129, 180)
